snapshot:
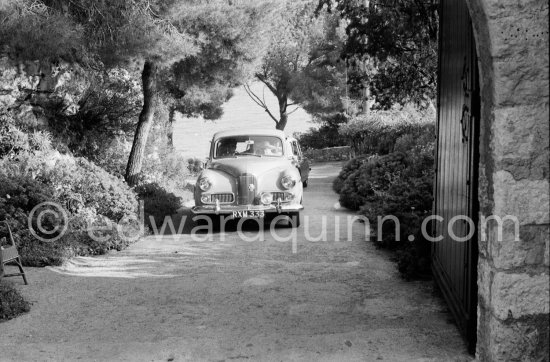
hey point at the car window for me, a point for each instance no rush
(295, 150)
(236, 146)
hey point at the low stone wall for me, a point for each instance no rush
(330, 154)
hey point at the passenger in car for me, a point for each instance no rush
(265, 148)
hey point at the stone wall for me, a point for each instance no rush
(330, 154)
(513, 301)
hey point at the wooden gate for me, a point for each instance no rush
(454, 262)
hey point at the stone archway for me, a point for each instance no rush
(513, 281)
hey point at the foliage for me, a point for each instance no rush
(320, 87)
(212, 46)
(302, 62)
(30, 30)
(90, 196)
(350, 167)
(165, 165)
(326, 135)
(158, 203)
(97, 189)
(195, 165)
(163, 186)
(376, 132)
(12, 303)
(400, 184)
(13, 140)
(231, 41)
(392, 48)
(33, 174)
(19, 195)
(125, 30)
(105, 119)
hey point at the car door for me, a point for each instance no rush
(302, 162)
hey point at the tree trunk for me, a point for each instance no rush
(283, 119)
(283, 116)
(170, 127)
(135, 161)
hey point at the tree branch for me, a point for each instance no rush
(254, 97)
(264, 80)
(294, 110)
(259, 102)
(272, 117)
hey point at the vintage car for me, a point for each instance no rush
(300, 160)
(252, 174)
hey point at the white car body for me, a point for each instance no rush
(245, 183)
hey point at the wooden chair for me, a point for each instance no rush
(9, 254)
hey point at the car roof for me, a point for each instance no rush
(252, 132)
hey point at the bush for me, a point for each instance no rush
(104, 121)
(350, 167)
(94, 187)
(90, 196)
(31, 173)
(158, 202)
(326, 135)
(13, 140)
(398, 184)
(169, 170)
(377, 132)
(195, 165)
(19, 195)
(12, 303)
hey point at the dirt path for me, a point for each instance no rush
(173, 298)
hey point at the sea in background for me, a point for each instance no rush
(192, 136)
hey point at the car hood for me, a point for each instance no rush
(249, 164)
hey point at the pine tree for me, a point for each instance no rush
(302, 62)
(150, 34)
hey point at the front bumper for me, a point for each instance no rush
(228, 209)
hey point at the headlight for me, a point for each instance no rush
(288, 182)
(204, 184)
(288, 197)
(266, 198)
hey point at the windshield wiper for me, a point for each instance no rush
(247, 154)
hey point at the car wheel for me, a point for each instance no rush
(213, 220)
(305, 182)
(294, 221)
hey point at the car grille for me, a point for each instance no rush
(222, 198)
(284, 196)
(246, 192)
(278, 195)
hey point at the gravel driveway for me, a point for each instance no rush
(172, 298)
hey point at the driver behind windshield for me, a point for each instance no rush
(227, 148)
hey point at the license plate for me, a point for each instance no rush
(251, 214)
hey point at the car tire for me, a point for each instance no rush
(305, 182)
(294, 221)
(215, 222)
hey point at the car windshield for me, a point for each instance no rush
(259, 146)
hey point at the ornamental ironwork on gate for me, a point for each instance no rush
(454, 257)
